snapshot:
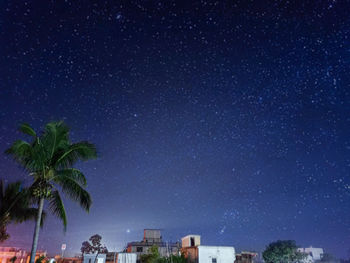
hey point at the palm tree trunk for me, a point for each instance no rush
(36, 231)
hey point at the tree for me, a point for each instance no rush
(283, 251)
(173, 259)
(178, 259)
(153, 255)
(15, 206)
(40, 259)
(49, 158)
(94, 247)
(86, 247)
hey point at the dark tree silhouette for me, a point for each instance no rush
(94, 247)
(283, 251)
(15, 206)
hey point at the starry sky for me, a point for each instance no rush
(228, 119)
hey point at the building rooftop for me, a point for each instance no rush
(160, 244)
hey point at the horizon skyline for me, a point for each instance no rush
(121, 248)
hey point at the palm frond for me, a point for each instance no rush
(57, 207)
(43, 218)
(26, 129)
(13, 192)
(2, 190)
(55, 137)
(74, 191)
(16, 204)
(78, 151)
(30, 156)
(21, 151)
(25, 214)
(74, 174)
(3, 233)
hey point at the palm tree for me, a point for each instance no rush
(48, 159)
(15, 206)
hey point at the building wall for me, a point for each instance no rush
(91, 258)
(126, 258)
(186, 241)
(22, 256)
(213, 254)
(191, 253)
(162, 249)
(316, 253)
(246, 257)
(313, 253)
(59, 259)
(206, 254)
(111, 257)
(6, 253)
(152, 235)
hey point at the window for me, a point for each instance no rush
(213, 260)
(192, 242)
(139, 249)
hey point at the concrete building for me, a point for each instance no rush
(312, 253)
(126, 258)
(94, 258)
(197, 253)
(111, 257)
(152, 237)
(191, 241)
(8, 254)
(59, 259)
(246, 257)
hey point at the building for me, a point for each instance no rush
(246, 257)
(111, 257)
(116, 257)
(17, 255)
(126, 257)
(94, 258)
(312, 253)
(197, 253)
(59, 259)
(191, 241)
(8, 254)
(152, 237)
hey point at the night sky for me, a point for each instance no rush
(228, 119)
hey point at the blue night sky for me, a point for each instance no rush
(228, 119)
